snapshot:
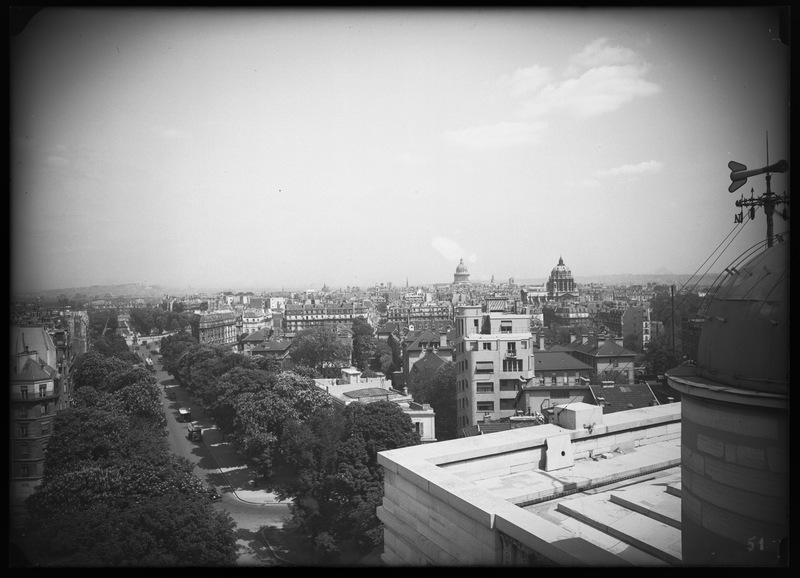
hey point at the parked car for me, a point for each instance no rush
(195, 433)
(213, 495)
(185, 414)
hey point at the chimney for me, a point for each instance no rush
(541, 340)
(572, 338)
(601, 340)
(618, 341)
(584, 339)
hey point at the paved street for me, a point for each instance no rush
(217, 464)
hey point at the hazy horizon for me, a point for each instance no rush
(352, 147)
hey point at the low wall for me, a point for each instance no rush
(435, 514)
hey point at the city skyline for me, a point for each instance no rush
(277, 147)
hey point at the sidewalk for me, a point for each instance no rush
(230, 464)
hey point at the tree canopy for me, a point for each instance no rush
(437, 387)
(320, 348)
(111, 493)
(335, 478)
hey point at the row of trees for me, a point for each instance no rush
(112, 494)
(322, 457)
(155, 320)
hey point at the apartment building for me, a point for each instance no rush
(418, 314)
(298, 317)
(255, 320)
(627, 320)
(494, 360)
(39, 387)
(217, 328)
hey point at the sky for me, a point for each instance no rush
(277, 148)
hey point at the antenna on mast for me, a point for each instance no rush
(768, 200)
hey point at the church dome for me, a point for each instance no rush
(744, 342)
(560, 271)
(461, 269)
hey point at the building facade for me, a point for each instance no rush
(39, 388)
(299, 317)
(494, 360)
(418, 314)
(217, 328)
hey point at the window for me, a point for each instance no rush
(524, 345)
(484, 367)
(473, 345)
(23, 391)
(485, 387)
(507, 404)
(485, 406)
(43, 390)
(23, 430)
(511, 346)
(25, 470)
(24, 451)
(553, 379)
(418, 426)
(46, 428)
(487, 346)
(23, 412)
(505, 327)
(616, 362)
(512, 365)
(509, 384)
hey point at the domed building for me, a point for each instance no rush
(461, 275)
(735, 421)
(561, 284)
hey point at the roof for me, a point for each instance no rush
(609, 349)
(33, 370)
(257, 336)
(276, 346)
(623, 397)
(431, 360)
(557, 361)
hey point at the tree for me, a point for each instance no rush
(93, 368)
(169, 529)
(83, 435)
(260, 417)
(658, 356)
(319, 347)
(630, 342)
(437, 387)
(338, 491)
(229, 387)
(173, 346)
(383, 358)
(363, 343)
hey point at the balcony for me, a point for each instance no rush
(511, 353)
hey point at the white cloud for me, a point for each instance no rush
(597, 54)
(597, 91)
(599, 79)
(632, 170)
(451, 250)
(526, 80)
(501, 134)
